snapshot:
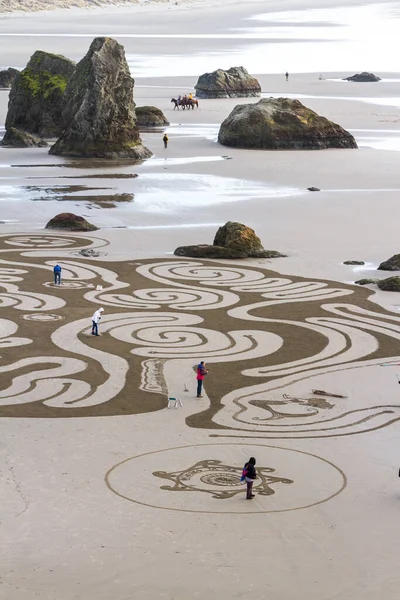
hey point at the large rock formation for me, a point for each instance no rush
(233, 83)
(150, 116)
(391, 284)
(391, 264)
(35, 102)
(281, 124)
(363, 77)
(232, 240)
(99, 109)
(70, 222)
(15, 138)
(7, 77)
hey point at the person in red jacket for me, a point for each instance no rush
(201, 373)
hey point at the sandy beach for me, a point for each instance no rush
(107, 493)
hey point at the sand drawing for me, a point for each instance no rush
(263, 334)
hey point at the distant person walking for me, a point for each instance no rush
(287, 76)
(57, 274)
(165, 140)
(201, 373)
(95, 321)
(249, 475)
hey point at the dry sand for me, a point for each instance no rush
(76, 523)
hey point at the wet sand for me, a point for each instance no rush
(68, 529)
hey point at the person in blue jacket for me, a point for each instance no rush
(57, 274)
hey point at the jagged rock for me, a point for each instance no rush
(35, 102)
(150, 116)
(363, 77)
(233, 83)
(15, 138)
(391, 284)
(99, 108)
(243, 239)
(281, 124)
(392, 264)
(70, 222)
(313, 189)
(354, 262)
(209, 251)
(7, 77)
(366, 281)
(232, 240)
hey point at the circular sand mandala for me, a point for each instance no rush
(44, 318)
(69, 285)
(40, 241)
(206, 478)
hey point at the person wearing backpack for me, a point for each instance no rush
(57, 274)
(165, 140)
(249, 475)
(201, 373)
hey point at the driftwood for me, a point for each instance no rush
(323, 393)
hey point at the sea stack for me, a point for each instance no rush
(35, 101)
(281, 124)
(99, 109)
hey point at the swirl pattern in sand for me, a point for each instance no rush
(269, 341)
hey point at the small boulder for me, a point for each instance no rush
(7, 77)
(391, 284)
(209, 251)
(232, 240)
(35, 101)
(392, 264)
(70, 222)
(99, 114)
(366, 281)
(237, 236)
(150, 116)
(313, 189)
(354, 262)
(281, 124)
(363, 77)
(15, 138)
(233, 83)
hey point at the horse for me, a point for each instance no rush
(176, 102)
(185, 103)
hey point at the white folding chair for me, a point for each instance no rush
(174, 402)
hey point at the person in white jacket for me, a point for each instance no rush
(95, 321)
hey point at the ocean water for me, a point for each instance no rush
(348, 39)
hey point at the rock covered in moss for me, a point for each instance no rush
(7, 77)
(233, 241)
(236, 82)
(363, 77)
(392, 264)
(391, 284)
(366, 281)
(242, 238)
(281, 124)
(99, 109)
(70, 222)
(35, 102)
(150, 116)
(15, 138)
(354, 262)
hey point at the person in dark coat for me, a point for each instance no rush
(251, 475)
